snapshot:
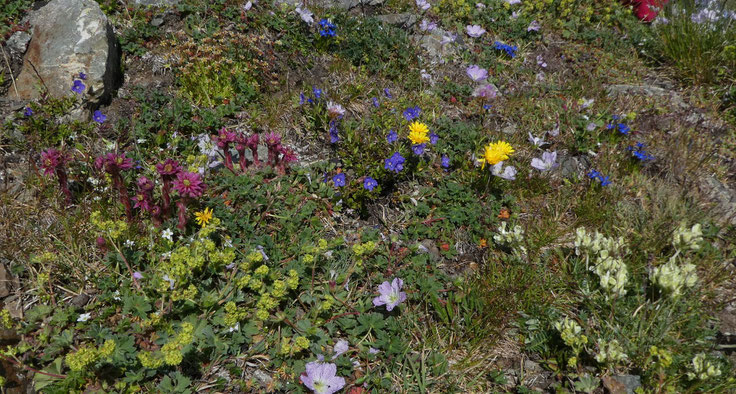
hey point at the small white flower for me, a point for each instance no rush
(167, 234)
(306, 15)
(480, 6)
(234, 328)
(129, 243)
(84, 317)
(116, 295)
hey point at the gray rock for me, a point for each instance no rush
(432, 43)
(5, 281)
(428, 246)
(156, 22)
(18, 42)
(69, 37)
(404, 20)
(509, 129)
(723, 197)
(571, 166)
(80, 300)
(622, 384)
(645, 90)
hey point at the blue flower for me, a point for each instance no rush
(334, 137)
(509, 49)
(610, 126)
(418, 149)
(395, 163)
(445, 162)
(99, 117)
(78, 87)
(412, 113)
(593, 174)
(624, 129)
(639, 152)
(82, 76)
(387, 93)
(328, 28)
(433, 138)
(317, 93)
(369, 184)
(392, 137)
(604, 180)
(375, 102)
(302, 99)
(339, 180)
(487, 107)
(28, 112)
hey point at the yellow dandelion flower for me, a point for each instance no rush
(496, 152)
(418, 133)
(203, 217)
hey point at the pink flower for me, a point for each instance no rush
(272, 139)
(487, 91)
(322, 378)
(113, 162)
(51, 159)
(169, 167)
(223, 138)
(390, 294)
(474, 31)
(189, 184)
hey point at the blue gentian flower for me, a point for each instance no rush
(624, 129)
(418, 149)
(302, 99)
(339, 180)
(387, 93)
(593, 174)
(639, 152)
(328, 28)
(99, 117)
(433, 138)
(392, 136)
(28, 111)
(82, 76)
(78, 87)
(395, 163)
(412, 113)
(369, 184)
(487, 107)
(375, 102)
(604, 180)
(445, 162)
(509, 49)
(317, 93)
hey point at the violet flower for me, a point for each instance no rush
(418, 149)
(28, 111)
(474, 31)
(340, 347)
(476, 73)
(78, 87)
(534, 26)
(395, 163)
(547, 162)
(339, 180)
(423, 5)
(99, 117)
(392, 136)
(412, 113)
(334, 132)
(390, 294)
(445, 162)
(486, 91)
(335, 111)
(54, 162)
(369, 183)
(322, 378)
(433, 138)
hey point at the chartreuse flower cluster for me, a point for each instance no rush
(673, 278)
(608, 263)
(513, 238)
(703, 369)
(87, 355)
(610, 352)
(185, 261)
(572, 334)
(112, 228)
(294, 345)
(171, 353)
(362, 251)
(5, 320)
(687, 238)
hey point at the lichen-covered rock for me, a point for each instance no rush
(69, 37)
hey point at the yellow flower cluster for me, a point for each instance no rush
(418, 133)
(86, 355)
(171, 352)
(233, 315)
(5, 320)
(495, 153)
(364, 248)
(300, 343)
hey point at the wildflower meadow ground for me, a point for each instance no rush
(430, 196)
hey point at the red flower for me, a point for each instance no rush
(169, 167)
(51, 159)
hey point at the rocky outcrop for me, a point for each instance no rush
(69, 37)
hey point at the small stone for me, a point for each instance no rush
(509, 129)
(18, 42)
(156, 22)
(621, 384)
(5, 282)
(262, 377)
(428, 246)
(405, 20)
(80, 300)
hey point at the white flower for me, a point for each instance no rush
(508, 172)
(236, 327)
(305, 14)
(129, 243)
(585, 102)
(116, 295)
(84, 317)
(167, 234)
(480, 6)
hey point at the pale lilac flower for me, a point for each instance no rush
(474, 31)
(335, 110)
(391, 294)
(554, 132)
(541, 62)
(480, 6)
(322, 378)
(423, 5)
(537, 141)
(372, 350)
(486, 91)
(137, 275)
(340, 347)
(476, 73)
(305, 14)
(425, 74)
(426, 25)
(547, 162)
(448, 38)
(515, 15)
(507, 172)
(247, 6)
(534, 26)
(512, 2)
(585, 103)
(539, 77)
(591, 126)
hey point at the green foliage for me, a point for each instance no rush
(11, 13)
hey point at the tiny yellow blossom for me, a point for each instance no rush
(418, 133)
(203, 217)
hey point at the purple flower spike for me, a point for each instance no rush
(137, 275)
(322, 378)
(369, 184)
(387, 93)
(390, 294)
